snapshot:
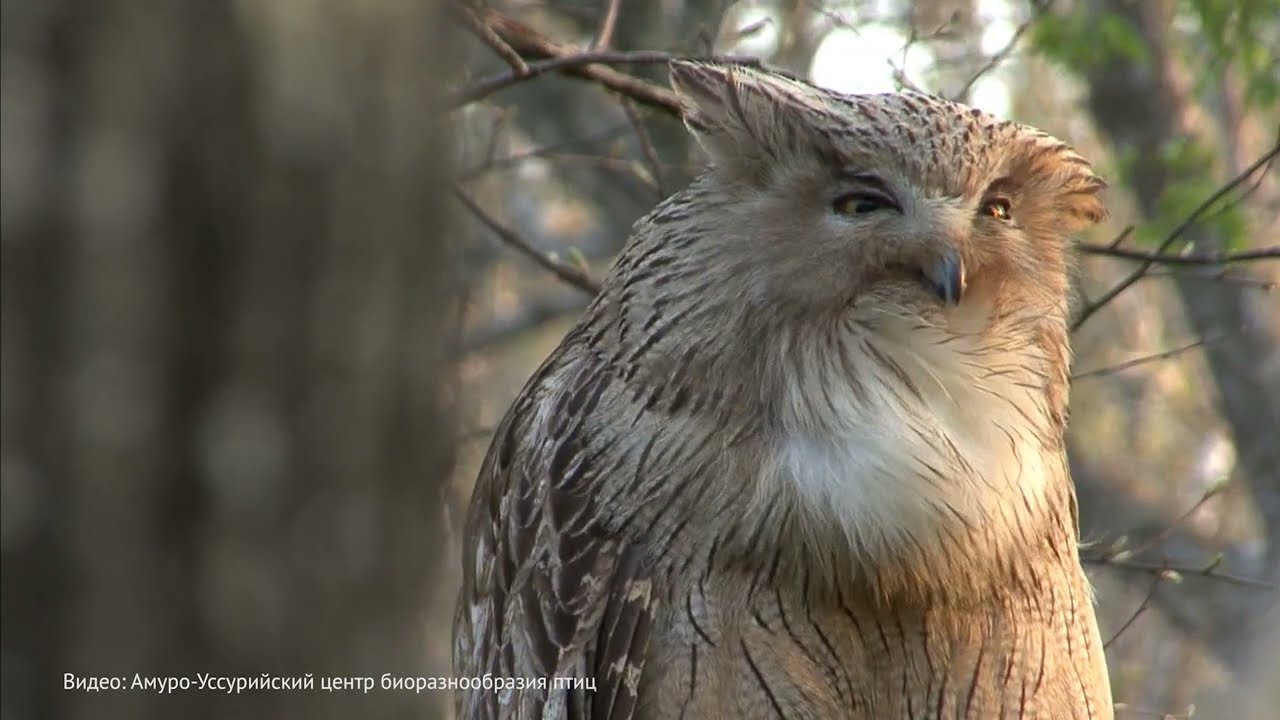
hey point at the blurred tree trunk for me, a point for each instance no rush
(228, 321)
(1142, 105)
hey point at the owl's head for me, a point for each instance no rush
(904, 201)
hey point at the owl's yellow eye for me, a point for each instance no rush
(998, 208)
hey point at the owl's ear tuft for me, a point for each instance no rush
(751, 123)
(1079, 203)
(1085, 204)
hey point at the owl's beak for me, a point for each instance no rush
(945, 276)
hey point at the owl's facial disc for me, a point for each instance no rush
(945, 277)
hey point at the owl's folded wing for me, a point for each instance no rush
(555, 608)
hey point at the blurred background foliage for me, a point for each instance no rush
(272, 271)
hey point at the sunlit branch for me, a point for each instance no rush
(1165, 355)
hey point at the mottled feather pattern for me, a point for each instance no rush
(774, 471)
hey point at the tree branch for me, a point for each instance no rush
(541, 151)
(572, 60)
(1142, 607)
(565, 272)
(579, 63)
(487, 36)
(1173, 572)
(1038, 9)
(1165, 355)
(1182, 227)
(1271, 252)
(647, 149)
(605, 36)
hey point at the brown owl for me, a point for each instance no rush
(803, 455)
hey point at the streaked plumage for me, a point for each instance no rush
(803, 455)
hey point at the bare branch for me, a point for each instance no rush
(490, 38)
(1142, 607)
(646, 146)
(1182, 227)
(605, 36)
(500, 120)
(1271, 252)
(1172, 572)
(1164, 534)
(1128, 709)
(1164, 355)
(579, 63)
(572, 60)
(541, 151)
(1122, 557)
(1223, 276)
(632, 169)
(565, 272)
(1038, 9)
(1124, 235)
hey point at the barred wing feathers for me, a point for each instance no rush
(548, 591)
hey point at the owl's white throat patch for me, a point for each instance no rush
(936, 445)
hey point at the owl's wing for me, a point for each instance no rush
(552, 603)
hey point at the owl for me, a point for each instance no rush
(802, 457)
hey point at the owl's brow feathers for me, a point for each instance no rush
(932, 138)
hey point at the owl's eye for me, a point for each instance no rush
(863, 201)
(998, 208)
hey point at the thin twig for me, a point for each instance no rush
(1126, 708)
(1221, 276)
(1038, 10)
(1124, 235)
(582, 65)
(646, 146)
(1271, 252)
(1182, 227)
(1142, 607)
(1244, 195)
(1164, 355)
(539, 152)
(605, 36)
(567, 273)
(1164, 534)
(633, 169)
(490, 38)
(1170, 571)
(495, 135)
(574, 61)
